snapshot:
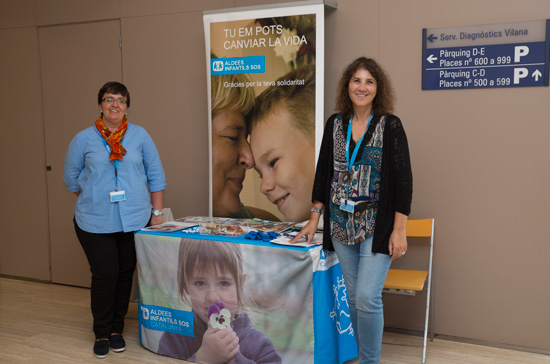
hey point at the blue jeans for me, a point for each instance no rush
(364, 273)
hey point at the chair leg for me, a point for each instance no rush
(427, 318)
(432, 317)
(426, 329)
(424, 347)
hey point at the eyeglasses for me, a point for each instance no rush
(110, 100)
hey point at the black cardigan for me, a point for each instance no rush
(395, 180)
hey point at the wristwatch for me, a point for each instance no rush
(315, 209)
(157, 212)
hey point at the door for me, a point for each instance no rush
(76, 60)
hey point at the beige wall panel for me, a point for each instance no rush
(165, 70)
(132, 8)
(16, 14)
(23, 217)
(478, 158)
(76, 61)
(70, 11)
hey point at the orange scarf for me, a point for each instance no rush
(113, 139)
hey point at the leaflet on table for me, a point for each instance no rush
(266, 226)
(235, 227)
(168, 227)
(222, 229)
(209, 220)
(302, 242)
(217, 225)
(257, 224)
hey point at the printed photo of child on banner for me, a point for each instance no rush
(211, 301)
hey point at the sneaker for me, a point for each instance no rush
(101, 348)
(117, 343)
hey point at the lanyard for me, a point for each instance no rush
(115, 162)
(348, 140)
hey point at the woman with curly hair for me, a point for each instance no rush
(363, 182)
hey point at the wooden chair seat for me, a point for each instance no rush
(406, 279)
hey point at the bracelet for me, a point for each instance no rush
(315, 209)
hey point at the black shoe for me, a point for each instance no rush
(117, 343)
(101, 348)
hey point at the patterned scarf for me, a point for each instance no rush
(113, 139)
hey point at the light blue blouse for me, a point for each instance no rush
(89, 172)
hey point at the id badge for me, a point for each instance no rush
(347, 205)
(117, 196)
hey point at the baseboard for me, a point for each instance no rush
(35, 280)
(468, 341)
(397, 330)
(493, 344)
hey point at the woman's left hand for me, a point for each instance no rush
(156, 220)
(398, 237)
(398, 244)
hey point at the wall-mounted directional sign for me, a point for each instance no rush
(495, 55)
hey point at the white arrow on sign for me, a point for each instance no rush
(537, 74)
(431, 58)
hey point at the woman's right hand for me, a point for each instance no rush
(218, 346)
(308, 230)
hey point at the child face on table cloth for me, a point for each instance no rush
(207, 286)
(285, 160)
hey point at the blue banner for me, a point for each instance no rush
(332, 322)
(237, 66)
(166, 319)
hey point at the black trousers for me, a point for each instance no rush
(112, 259)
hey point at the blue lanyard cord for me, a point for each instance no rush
(115, 163)
(348, 140)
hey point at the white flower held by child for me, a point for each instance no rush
(218, 316)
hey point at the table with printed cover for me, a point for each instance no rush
(297, 294)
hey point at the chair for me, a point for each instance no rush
(408, 282)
